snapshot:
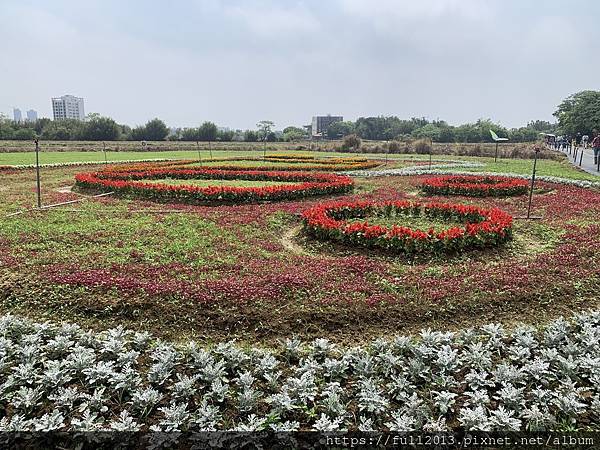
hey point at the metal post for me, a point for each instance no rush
(265, 147)
(199, 155)
(496, 153)
(581, 158)
(37, 170)
(210, 149)
(537, 150)
(104, 150)
(430, 152)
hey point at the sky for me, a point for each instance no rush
(236, 62)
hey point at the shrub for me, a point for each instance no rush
(394, 147)
(422, 147)
(351, 142)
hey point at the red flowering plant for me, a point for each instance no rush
(131, 184)
(321, 165)
(474, 186)
(481, 227)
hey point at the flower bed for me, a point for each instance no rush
(474, 186)
(128, 184)
(322, 165)
(297, 156)
(62, 378)
(482, 227)
(110, 164)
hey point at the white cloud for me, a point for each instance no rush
(274, 20)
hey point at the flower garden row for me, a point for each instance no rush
(482, 227)
(64, 378)
(474, 186)
(290, 164)
(309, 163)
(127, 183)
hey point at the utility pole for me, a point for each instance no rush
(37, 171)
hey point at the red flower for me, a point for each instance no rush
(475, 186)
(483, 227)
(129, 183)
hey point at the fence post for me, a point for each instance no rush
(537, 150)
(37, 171)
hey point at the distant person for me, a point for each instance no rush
(596, 146)
(584, 140)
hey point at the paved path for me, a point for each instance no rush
(587, 163)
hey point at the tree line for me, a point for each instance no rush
(98, 128)
(577, 114)
(393, 128)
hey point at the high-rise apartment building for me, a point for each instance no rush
(321, 123)
(17, 116)
(68, 107)
(32, 115)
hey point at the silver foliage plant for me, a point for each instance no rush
(61, 377)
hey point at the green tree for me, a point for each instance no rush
(24, 134)
(579, 113)
(351, 142)
(523, 134)
(190, 134)
(155, 130)
(99, 128)
(63, 130)
(138, 133)
(340, 129)
(542, 126)
(225, 136)
(429, 131)
(293, 134)
(6, 129)
(207, 132)
(250, 136)
(265, 127)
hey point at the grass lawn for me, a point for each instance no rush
(408, 220)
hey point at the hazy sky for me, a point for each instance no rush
(236, 62)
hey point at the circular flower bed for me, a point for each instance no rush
(302, 184)
(482, 227)
(269, 164)
(475, 186)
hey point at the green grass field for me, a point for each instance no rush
(520, 166)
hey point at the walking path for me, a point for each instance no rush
(587, 162)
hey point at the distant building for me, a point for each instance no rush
(32, 115)
(321, 123)
(68, 107)
(17, 115)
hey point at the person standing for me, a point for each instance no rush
(596, 146)
(584, 140)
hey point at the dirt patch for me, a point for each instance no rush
(66, 190)
(288, 240)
